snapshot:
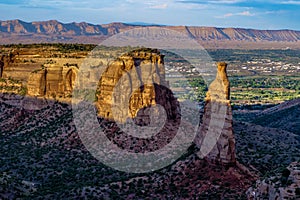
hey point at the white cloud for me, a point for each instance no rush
(226, 1)
(228, 15)
(291, 2)
(159, 6)
(209, 2)
(194, 6)
(63, 4)
(245, 13)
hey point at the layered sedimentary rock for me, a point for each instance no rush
(52, 81)
(216, 139)
(12, 66)
(132, 83)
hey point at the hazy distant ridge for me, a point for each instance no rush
(69, 31)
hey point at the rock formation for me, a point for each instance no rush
(5, 60)
(14, 67)
(284, 186)
(36, 85)
(136, 81)
(132, 83)
(216, 139)
(52, 81)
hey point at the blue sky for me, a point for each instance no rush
(268, 14)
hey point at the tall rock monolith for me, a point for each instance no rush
(215, 138)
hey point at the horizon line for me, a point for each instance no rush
(145, 24)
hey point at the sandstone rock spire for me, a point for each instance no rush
(216, 139)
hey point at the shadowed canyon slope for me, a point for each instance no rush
(17, 31)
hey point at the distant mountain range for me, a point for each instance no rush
(17, 31)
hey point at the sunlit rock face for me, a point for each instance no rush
(53, 81)
(216, 139)
(131, 84)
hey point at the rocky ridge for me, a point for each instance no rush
(54, 31)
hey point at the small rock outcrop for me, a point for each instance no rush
(5, 60)
(132, 83)
(283, 186)
(216, 139)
